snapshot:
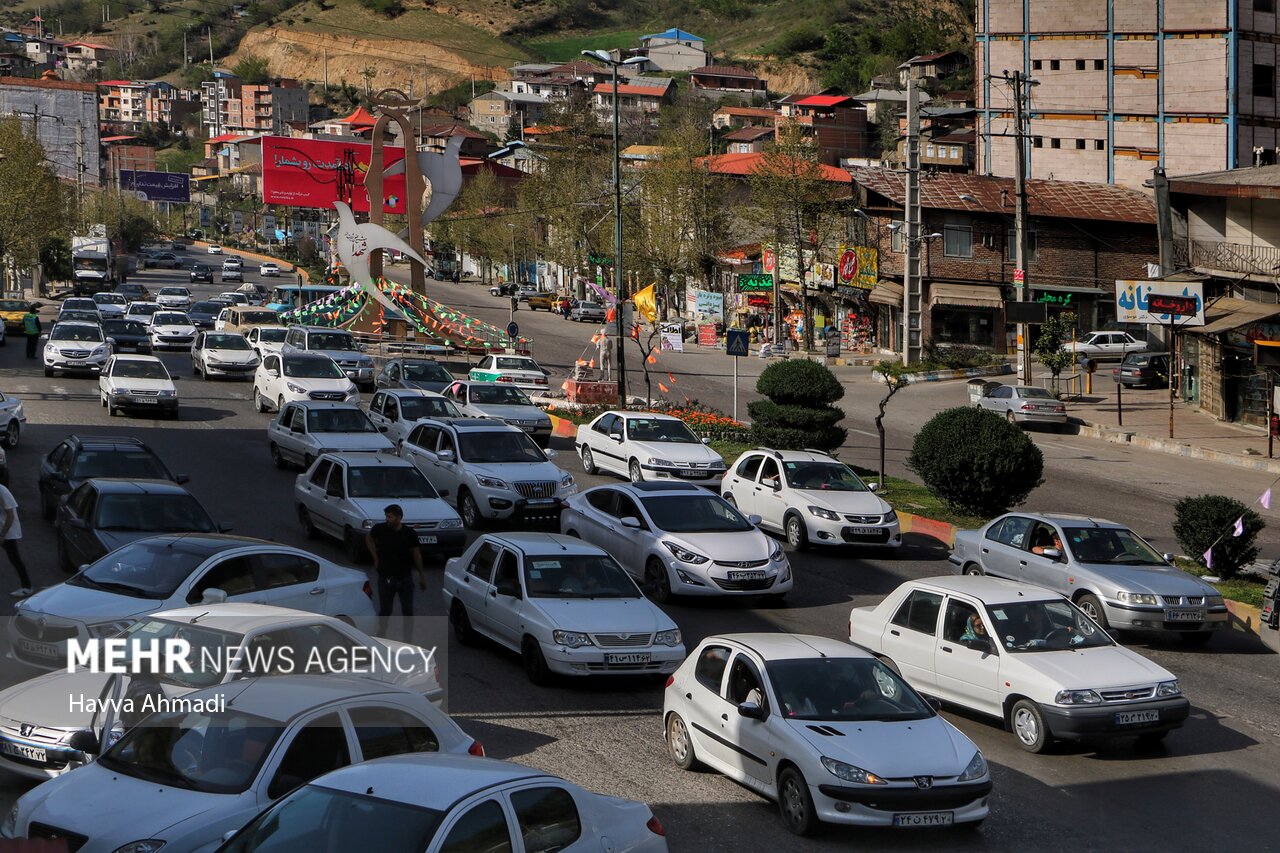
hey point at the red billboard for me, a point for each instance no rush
(316, 173)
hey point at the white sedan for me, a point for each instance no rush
(215, 249)
(268, 270)
(647, 446)
(171, 330)
(1107, 346)
(1023, 655)
(139, 383)
(824, 729)
(222, 354)
(518, 370)
(565, 606)
(285, 377)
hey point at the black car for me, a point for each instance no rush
(1150, 369)
(103, 514)
(127, 336)
(203, 314)
(202, 272)
(133, 292)
(420, 373)
(84, 457)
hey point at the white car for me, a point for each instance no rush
(171, 330)
(1107, 346)
(137, 383)
(141, 311)
(232, 272)
(439, 803)
(811, 498)
(518, 370)
(36, 722)
(12, 420)
(235, 297)
(284, 377)
(268, 270)
(503, 402)
(566, 606)
(825, 730)
(646, 446)
(174, 298)
(186, 779)
(215, 249)
(174, 570)
(222, 354)
(75, 347)
(679, 540)
(487, 469)
(306, 428)
(266, 340)
(400, 409)
(79, 303)
(110, 304)
(232, 262)
(1023, 655)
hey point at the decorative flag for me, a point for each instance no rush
(1208, 559)
(646, 304)
(1239, 530)
(672, 378)
(653, 359)
(1265, 500)
(662, 387)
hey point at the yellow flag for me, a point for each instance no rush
(645, 304)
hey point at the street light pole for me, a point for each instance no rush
(511, 275)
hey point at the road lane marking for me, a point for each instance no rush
(864, 432)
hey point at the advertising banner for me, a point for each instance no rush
(708, 306)
(316, 173)
(237, 220)
(707, 336)
(868, 267)
(672, 339)
(1132, 305)
(157, 186)
(206, 217)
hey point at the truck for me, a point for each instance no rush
(93, 263)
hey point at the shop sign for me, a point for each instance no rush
(707, 336)
(708, 305)
(770, 260)
(1133, 306)
(599, 260)
(868, 267)
(849, 292)
(758, 300)
(848, 265)
(1055, 298)
(823, 274)
(748, 282)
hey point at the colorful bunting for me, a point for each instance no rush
(1239, 528)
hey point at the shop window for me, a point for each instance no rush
(1264, 81)
(957, 241)
(1011, 242)
(898, 238)
(1037, 142)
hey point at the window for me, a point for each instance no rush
(481, 565)
(548, 819)
(1037, 142)
(1080, 144)
(1099, 65)
(297, 420)
(233, 576)
(376, 405)
(626, 508)
(602, 499)
(929, 150)
(749, 466)
(481, 830)
(335, 488)
(1035, 65)
(1054, 65)
(1264, 5)
(424, 437)
(898, 237)
(710, 668)
(1099, 145)
(1011, 244)
(1079, 64)
(321, 475)
(957, 241)
(391, 409)
(919, 612)
(317, 749)
(1264, 81)
(1055, 143)
(963, 625)
(286, 569)
(1013, 532)
(390, 731)
(744, 683)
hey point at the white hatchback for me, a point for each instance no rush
(222, 354)
(171, 330)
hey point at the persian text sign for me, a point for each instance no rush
(316, 173)
(157, 186)
(1133, 302)
(868, 267)
(748, 282)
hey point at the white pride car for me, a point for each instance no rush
(171, 330)
(1021, 654)
(647, 446)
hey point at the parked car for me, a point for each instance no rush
(825, 730)
(1110, 572)
(422, 373)
(268, 270)
(110, 305)
(397, 410)
(1108, 346)
(79, 458)
(501, 402)
(588, 312)
(177, 298)
(1149, 369)
(506, 289)
(518, 370)
(647, 446)
(75, 347)
(1023, 655)
(284, 377)
(487, 469)
(678, 539)
(222, 354)
(1023, 404)
(566, 606)
(339, 345)
(266, 339)
(137, 383)
(127, 336)
(304, 429)
(204, 313)
(811, 498)
(526, 289)
(12, 420)
(344, 495)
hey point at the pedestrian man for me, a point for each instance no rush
(395, 551)
(11, 533)
(31, 328)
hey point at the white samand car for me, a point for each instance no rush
(518, 370)
(811, 498)
(171, 330)
(139, 383)
(824, 729)
(563, 604)
(222, 354)
(1023, 655)
(647, 446)
(679, 539)
(75, 347)
(286, 377)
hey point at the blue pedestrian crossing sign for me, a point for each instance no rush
(737, 343)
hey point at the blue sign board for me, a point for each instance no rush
(737, 343)
(157, 186)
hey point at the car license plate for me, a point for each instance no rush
(1184, 616)
(528, 428)
(147, 401)
(1125, 718)
(426, 540)
(864, 531)
(746, 576)
(633, 657)
(693, 473)
(924, 819)
(21, 750)
(42, 649)
(540, 502)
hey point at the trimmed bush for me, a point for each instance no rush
(975, 461)
(801, 382)
(798, 413)
(1202, 521)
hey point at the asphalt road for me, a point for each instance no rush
(1211, 786)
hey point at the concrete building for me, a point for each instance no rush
(125, 153)
(504, 113)
(130, 104)
(86, 60)
(1126, 86)
(674, 50)
(731, 117)
(642, 96)
(715, 81)
(233, 106)
(65, 116)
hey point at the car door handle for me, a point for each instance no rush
(466, 579)
(986, 550)
(724, 717)
(688, 695)
(317, 591)
(946, 649)
(493, 593)
(895, 633)
(1022, 562)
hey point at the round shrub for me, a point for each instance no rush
(798, 413)
(976, 461)
(1209, 520)
(801, 382)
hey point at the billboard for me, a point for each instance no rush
(316, 173)
(157, 186)
(1132, 305)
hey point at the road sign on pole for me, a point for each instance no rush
(737, 343)
(513, 328)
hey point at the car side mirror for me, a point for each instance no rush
(445, 455)
(873, 487)
(111, 341)
(182, 479)
(934, 702)
(213, 595)
(383, 429)
(84, 741)
(509, 589)
(229, 834)
(754, 520)
(751, 711)
(1168, 558)
(616, 436)
(631, 522)
(225, 528)
(706, 441)
(1052, 553)
(274, 374)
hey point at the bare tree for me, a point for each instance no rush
(895, 379)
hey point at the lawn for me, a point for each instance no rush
(567, 48)
(1244, 590)
(914, 498)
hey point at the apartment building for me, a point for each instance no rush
(1126, 86)
(233, 106)
(130, 104)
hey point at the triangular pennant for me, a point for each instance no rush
(1208, 558)
(1265, 500)
(1239, 528)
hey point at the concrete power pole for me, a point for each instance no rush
(1021, 86)
(911, 299)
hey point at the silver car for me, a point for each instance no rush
(592, 312)
(400, 409)
(503, 402)
(1109, 571)
(1023, 404)
(304, 429)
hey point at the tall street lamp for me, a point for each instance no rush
(511, 275)
(614, 64)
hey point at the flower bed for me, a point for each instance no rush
(704, 421)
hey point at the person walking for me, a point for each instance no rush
(395, 550)
(11, 533)
(31, 328)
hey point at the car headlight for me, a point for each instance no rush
(150, 845)
(776, 553)
(492, 482)
(168, 393)
(1213, 600)
(822, 512)
(1077, 697)
(667, 638)
(660, 463)
(891, 517)
(572, 639)
(566, 481)
(1169, 688)
(297, 389)
(9, 829)
(451, 524)
(849, 773)
(684, 555)
(367, 524)
(102, 350)
(976, 770)
(1137, 598)
(104, 630)
(352, 389)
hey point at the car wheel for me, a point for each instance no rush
(1029, 727)
(795, 804)
(48, 371)
(637, 475)
(462, 630)
(679, 745)
(469, 511)
(535, 665)
(1011, 418)
(113, 411)
(258, 402)
(588, 462)
(280, 403)
(572, 534)
(304, 518)
(973, 569)
(276, 458)
(657, 583)
(1195, 638)
(354, 546)
(1092, 608)
(12, 433)
(797, 536)
(728, 498)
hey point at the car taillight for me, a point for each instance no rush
(476, 749)
(505, 379)
(655, 826)
(368, 589)
(1027, 407)
(671, 679)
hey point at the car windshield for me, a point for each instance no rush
(175, 513)
(425, 371)
(518, 364)
(493, 447)
(577, 576)
(79, 305)
(416, 408)
(148, 568)
(236, 342)
(124, 327)
(331, 341)
(822, 476)
(217, 753)
(76, 333)
(248, 318)
(836, 689)
(1114, 545)
(316, 818)
(339, 420)
(1027, 392)
(210, 650)
(205, 308)
(140, 369)
(701, 513)
(660, 429)
(13, 305)
(176, 291)
(108, 299)
(312, 368)
(1044, 626)
(594, 306)
(388, 481)
(170, 318)
(144, 309)
(498, 395)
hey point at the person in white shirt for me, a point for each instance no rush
(11, 532)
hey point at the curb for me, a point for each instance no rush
(562, 427)
(1119, 435)
(306, 277)
(945, 375)
(940, 530)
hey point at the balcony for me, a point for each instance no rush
(1238, 258)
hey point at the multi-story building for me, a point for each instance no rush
(717, 80)
(64, 115)
(1126, 86)
(86, 59)
(638, 96)
(836, 124)
(233, 106)
(674, 50)
(504, 113)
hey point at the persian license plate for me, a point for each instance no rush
(1125, 718)
(865, 531)
(1184, 616)
(540, 502)
(426, 540)
(924, 819)
(42, 649)
(746, 576)
(528, 428)
(698, 474)
(21, 750)
(632, 657)
(147, 401)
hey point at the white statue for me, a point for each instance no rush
(444, 178)
(355, 241)
(604, 355)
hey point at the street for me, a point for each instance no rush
(1208, 787)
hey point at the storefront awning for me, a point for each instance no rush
(1229, 313)
(965, 296)
(887, 293)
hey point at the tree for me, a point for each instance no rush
(1208, 521)
(976, 461)
(798, 413)
(895, 380)
(252, 69)
(33, 204)
(1050, 347)
(477, 222)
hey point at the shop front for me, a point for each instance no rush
(1228, 382)
(1082, 301)
(966, 315)
(855, 319)
(886, 298)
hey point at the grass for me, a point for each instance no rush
(560, 48)
(1244, 590)
(916, 499)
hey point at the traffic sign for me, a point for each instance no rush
(737, 343)
(513, 329)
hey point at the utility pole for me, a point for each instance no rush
(326, 72)
(186, 54)
(79, 174)
(1021, 86)
(209, 31)
(911, 307)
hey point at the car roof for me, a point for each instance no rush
(645, 415)
(474, 424)
(108, 440)
(1072, 518)
(132, 357)
(240, 617)
(656, 487)
(305, 355)
(84, 323)
(368, 457)
(987, 589)
(285, 697)
(531, 542)
(433, 780)
(780, 646)
(794, 455)
(118, 486)
(416, 392)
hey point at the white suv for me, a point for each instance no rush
(487, 469)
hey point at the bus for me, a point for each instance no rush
(285, 296)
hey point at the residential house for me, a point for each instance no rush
(932, 67)
(233, 106)
(719, 80)
(436, 136)
(518, 155)
(836, 124)
(946, 138)
(85, 60)
(731, 117)
(43, 49)
(643, 96)
(747, 140)
(894, 101)
(15, 62)
(504, 114)
(674, 50)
